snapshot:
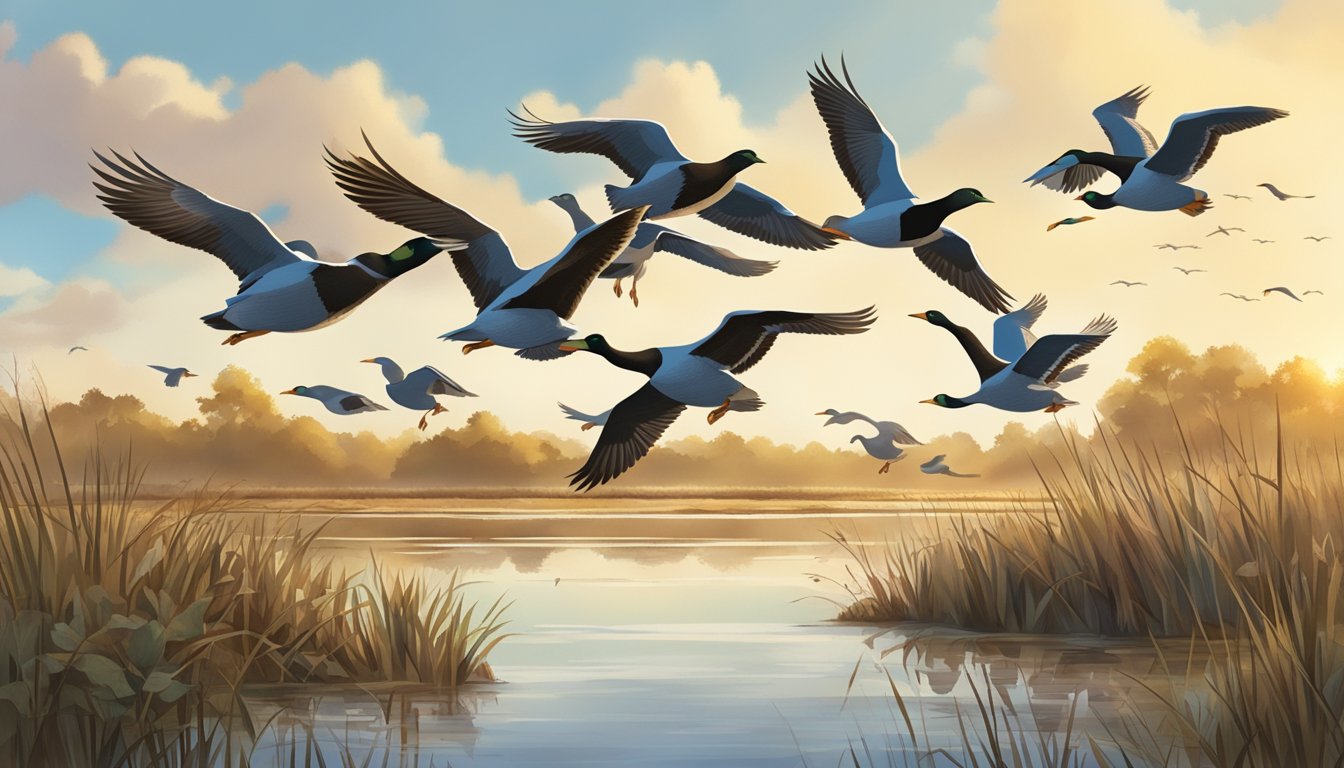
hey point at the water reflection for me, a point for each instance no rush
(707, 644)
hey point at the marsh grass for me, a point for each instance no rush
(1236, 545)
(128, 634)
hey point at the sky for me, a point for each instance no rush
(238, 99)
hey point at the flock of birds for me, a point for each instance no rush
(284, 287)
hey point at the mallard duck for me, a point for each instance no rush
(338, 401)
(521, 309)
(890, 218)
(172, 376)
(670, 184)
(651, 238)
(1131, 143)
(417, 390)
(699, 374)
(283, 287)
(1012, 337)
(1026, 385)
(884, 446)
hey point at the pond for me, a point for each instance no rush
(669, 632)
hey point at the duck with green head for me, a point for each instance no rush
(1150, 175)
(670, 184)
(890, 217)
(700, 374)
(1030, 382)
(282, 286)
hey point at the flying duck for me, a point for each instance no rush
(891, 218)
(938, 466)
(1317, 238)
(1026, 385)
(1282, 196)
(1069, 220)
(670, 184)
(1151, 176)
(1185, 271)
(1236, 197)
(1172, 247)
(1237, 296)
(1012, 337)
(650, 238)
(75, 349)
(521, 309)
(698, 374)
(1225, 231)
(1131, 143)
(884, 446)
(338, 401)
(417, 389)
(589, 420)
(1280, 289)
(282, 286)
(1261, 241)
(1128, 283)
(172, 376)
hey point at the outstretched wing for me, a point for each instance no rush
(864, 149)
(482, 258)
(1012, 332)
(568, 275)
(708, 255)
(432, 381)
(743, 338)
(634, 426)
(1050, 355)
(950, 257)
(634, 146)
(1117, 119)
(1194, 136)
(152, 200)
(750, 212)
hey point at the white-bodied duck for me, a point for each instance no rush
(884, 446)
(417, 390)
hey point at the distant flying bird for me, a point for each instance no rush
(1308, 293)
(1225, 231)
(1262, 242)
(1150, 176)
(653, 238)
(1236, 197)
(870, 161)
(283, 287)
(670, 184)
(1026, 385)
(521, 309)
(884, 446)
(1188, 271)
(938, 466)
(338, 401)
(1273, 190)
(1070, 220)
(1012, 338)
(697, 374)
(589, 420)
(1127, 283)
(1170, 247)
(1280, 289)
(1317, 238)
(172, 376)
(1237, 296)
(417, 389)
(73, 350)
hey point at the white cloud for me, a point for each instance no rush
(1043, 68)
(16, 282)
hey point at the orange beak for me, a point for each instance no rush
(930, 401)
(833, 232)
(370, 360)
(921, 315)
(289, 392)
(188, 374)
(1080, 197)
